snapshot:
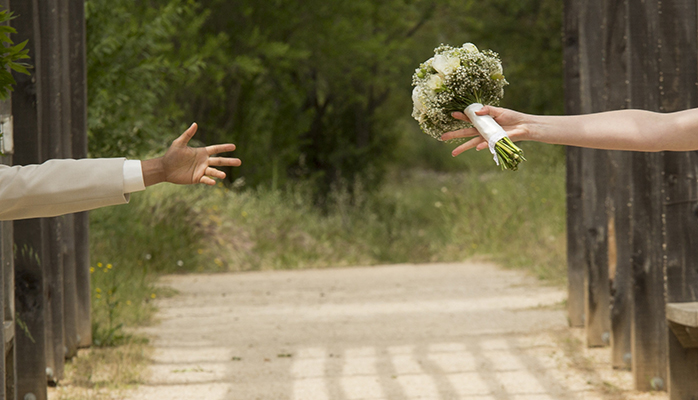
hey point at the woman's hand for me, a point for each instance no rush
(513, 122)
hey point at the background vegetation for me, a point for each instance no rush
(316, 95)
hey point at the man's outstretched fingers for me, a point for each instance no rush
(219, 148)
(185, 137)
(214, 173)
(224, 162)
(207, 181)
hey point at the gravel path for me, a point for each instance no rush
(469, 331)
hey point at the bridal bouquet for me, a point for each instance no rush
(463, 79)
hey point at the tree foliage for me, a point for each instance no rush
(10, 56)
(139, 56)
(315, 90)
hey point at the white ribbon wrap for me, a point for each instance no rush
(487, 126)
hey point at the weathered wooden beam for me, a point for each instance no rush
(677, 48)
(594, 174)
(28, 234)
(78, 111)
(618, 197)
(576, 266)
(51, 128)
(7, 292)
(70, 324)
(649, 328)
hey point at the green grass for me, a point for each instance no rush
(516, 219)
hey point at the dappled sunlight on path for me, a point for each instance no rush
(466, 331)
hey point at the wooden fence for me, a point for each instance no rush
(633, 217)
(45, 279)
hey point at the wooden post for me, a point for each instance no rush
(615, 96)
(51, 127)
(576, 266)
(7, 281)
(620, 253)
(677, 91)
(70, 328)
(28, 234)
(681, 186)
(649, 329)
(7, 293)
(78, 111)
(7, 358)
(594, 177)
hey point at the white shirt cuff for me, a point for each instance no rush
(133, 176)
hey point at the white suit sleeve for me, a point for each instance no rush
(59, 187)
(133, 176)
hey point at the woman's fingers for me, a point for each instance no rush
(461, 116)
(474, 142)
(460, 133)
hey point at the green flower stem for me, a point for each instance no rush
(510, 155)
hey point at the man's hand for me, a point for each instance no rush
(186, 165)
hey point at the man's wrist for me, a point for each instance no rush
(153, 171)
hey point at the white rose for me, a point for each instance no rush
(418, 105)
(470, 48)
(497, 73)
(435, 82)
(445, 65)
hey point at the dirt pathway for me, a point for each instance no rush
(467, 331)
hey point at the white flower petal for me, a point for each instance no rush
(435, 82)
(418, 104)
(445, 65)
(470, 48)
